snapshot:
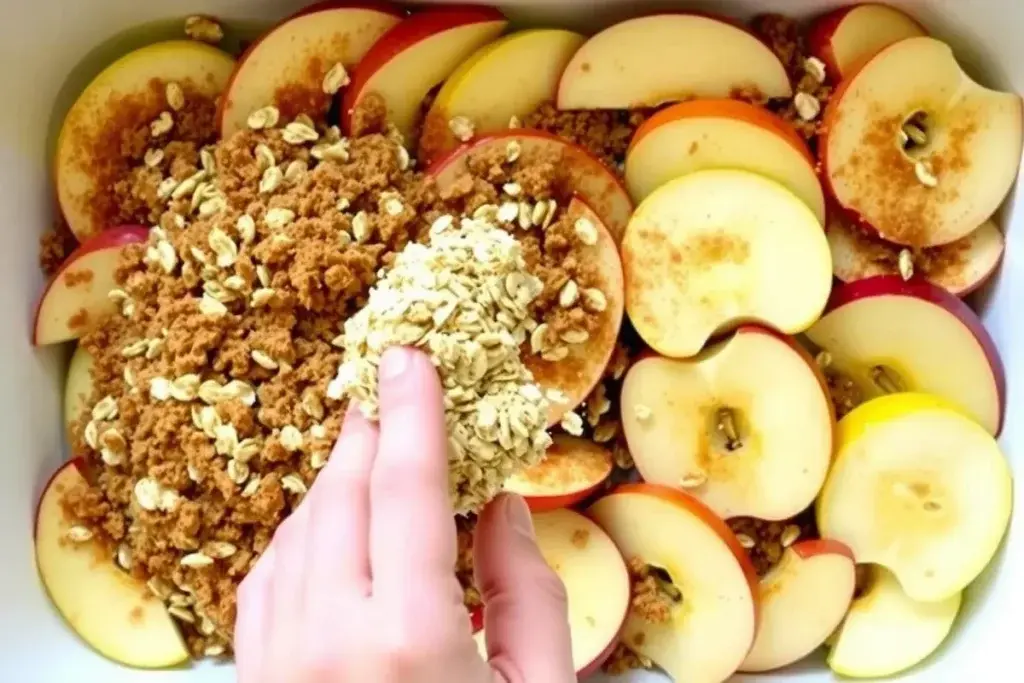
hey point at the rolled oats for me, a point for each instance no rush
(335, 79)
(572, 423)
(462, 128)
(203, 29)
(175, 96)
(293, 484)
(162, 124)
(586, 231)
(278, 218)
(196, 560)
(807, 106)
(79, 534)
(266, 117)
(153, 157)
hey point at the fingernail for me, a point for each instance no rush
(396, 361)
(518, 515)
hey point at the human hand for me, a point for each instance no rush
(358, 584)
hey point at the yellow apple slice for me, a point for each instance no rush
(920, 489)
(935, 190)
(510, 77)
(416, 55)
(720, 425)
(286, 67)
(711, 628)
(847, 37)
(887, 632)
(108, 609)
(133, 87)
(78, 385)
(651, 60)
(803, 600)
(711, 249)
(596, 584)
(571, 470)
(702, 134)
(958, 267)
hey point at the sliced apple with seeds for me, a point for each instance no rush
(925, 164)
(287, 66)
(959, 267)
(888, 336)
(510, 77)
(77, 298)
(651, 60)
(803, 600)
(713, 588)
(77, 385)
(920, 489)
(572, 469)
(415, 56)
(848, 36)
(713, 248)
(703, 134)
(111, 611)
(128, 94)
(886, 632)
(720, 424)
(583, 173)
(596, 584)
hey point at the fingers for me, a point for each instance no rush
(339, 524)
(526, 614)
(287, 590)
(253, 619)
(412, 535)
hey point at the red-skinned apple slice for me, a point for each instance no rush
(886, 632)
(77, 296)
(939, 185)
(83, 170)
(920, 489)
(585, 175)
(720, 425)
(78, 385)
(576, 375)
(888, 335)
(702, 134)
(286, 67)
(114, 613)
(596, 583)
(710, 630)
(697, 261)
(651, 60)
(803, 600)
(572, 470)
(527, 64)
(848, 36)
(959, 267)
(416, 55)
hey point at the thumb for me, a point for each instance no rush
(526, 618)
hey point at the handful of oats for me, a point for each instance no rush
(464, 298)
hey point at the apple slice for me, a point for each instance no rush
(848, 36)
(919, 488)
(78, 385)
(106, 607)
(710, 629)
(585, 175)
(77, 298)
(803, 600)
(702, 134)
(416, 55)
(659, 58)
(959, 267)
(887, 335)
(939, 185)
(886, 632)
(576, 375)
(129, 93)
(287, 66)
(720, 425)
(715, 247)
(596, 583)
(526, 64)
(572, 470)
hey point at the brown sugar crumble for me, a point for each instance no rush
(55, 246)
(605, 133)
(209, 415)
(766, 541)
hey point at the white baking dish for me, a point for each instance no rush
(42, 42)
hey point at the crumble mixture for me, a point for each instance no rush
(605, 133)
